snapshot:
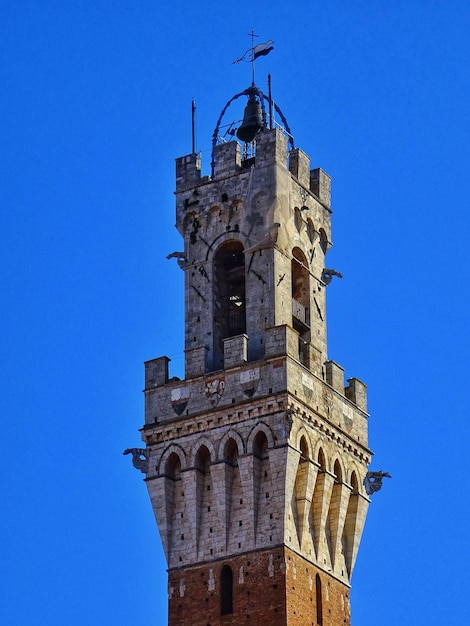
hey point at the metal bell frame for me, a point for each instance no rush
(253, 90)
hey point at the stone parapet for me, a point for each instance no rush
(320, 185)
(299, 166)
(188, 171)
(235, 351)
(156, 372)
(335, 376)
(195, 361)
(227, 159)
(356, 391)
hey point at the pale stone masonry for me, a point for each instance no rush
(261, 449)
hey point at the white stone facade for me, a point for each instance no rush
(262, 444)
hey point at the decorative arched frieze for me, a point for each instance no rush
(204, 441)
(231, 434)
(176, 449)
(263, 427)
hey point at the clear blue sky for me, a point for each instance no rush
(95, 106)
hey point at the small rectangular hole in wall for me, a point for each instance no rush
(233, 400)
(240, 523)
(239, 545)
(210, 530)
(270, 390)
(208, 509)
(267, 494)
(208, 487)
(241, 500)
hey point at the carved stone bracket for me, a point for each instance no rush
(373, 481)
(140, 458)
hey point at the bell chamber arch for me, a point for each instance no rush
(229, 300)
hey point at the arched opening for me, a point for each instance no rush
(262, 488)
(354, 483)
(204, 502)
(260, 445)
(175, 505)
(310, 229)
(318, 597)
(173, 467)
(233, 497)
(298, 219)
(304, 453)
(301, 504)
(321, 460)
(323, 241)
(203, 459)
(229, 296)
(226, 591)
(338, 472)
(300, 280)
(231, 452)
(351, 525)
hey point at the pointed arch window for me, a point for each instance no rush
(318, 594)
(229, 295)
(300, 291)
(226, 591)
(300, 279)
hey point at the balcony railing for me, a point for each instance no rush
(300, 312)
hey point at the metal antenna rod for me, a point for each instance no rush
(270, 103)
(193, 126)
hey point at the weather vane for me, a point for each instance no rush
(262, 49)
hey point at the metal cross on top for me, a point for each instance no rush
(262, 49)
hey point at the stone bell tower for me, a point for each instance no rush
(255, 462)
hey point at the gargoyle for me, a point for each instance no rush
(179, 256)
(327, 275)
(373, 481)
(140, 458)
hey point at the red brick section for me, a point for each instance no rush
(302, 595)
(265, 593)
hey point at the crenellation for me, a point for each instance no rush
(156, 372)
(188, 171)
(227, 159)
(335, 376)
(299, 166)
(356, 391)
(320, 185)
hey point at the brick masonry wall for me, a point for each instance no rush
(270, 588)
(302, 597)
(259, 595)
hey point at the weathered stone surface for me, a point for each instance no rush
(257, 459)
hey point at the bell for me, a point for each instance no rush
(252, 121)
